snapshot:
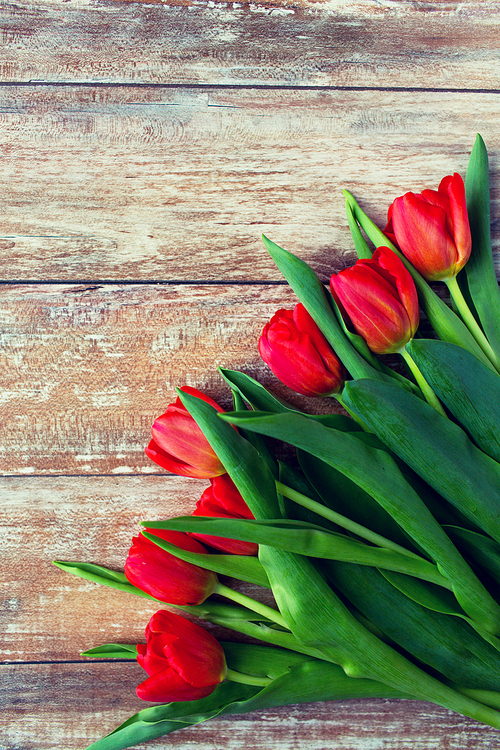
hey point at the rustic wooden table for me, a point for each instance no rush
(144, 149)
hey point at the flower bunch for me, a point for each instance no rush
(380, 538)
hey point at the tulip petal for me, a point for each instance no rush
(170, 463)
(178, 443)
(165, 576)
(197, 657)
(299, 355)
(422, 234)
(459, 217)
(371, 300)
(405, 285)
(168, 686)
(179, 435)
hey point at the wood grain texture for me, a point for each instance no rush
(50, 615)
(84, 370)
(83, 702)
(86, 701)
(154, 184)
(291, 42)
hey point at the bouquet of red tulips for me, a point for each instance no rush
(379, 537)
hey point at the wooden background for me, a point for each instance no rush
(144, 149)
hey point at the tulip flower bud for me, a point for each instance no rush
(223, 500)
(179, 445)
(165, 576)
(379, 298)
(184, 662)
(299, 355)
(432, 229)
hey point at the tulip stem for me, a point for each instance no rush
(343, 521)
(429, 394)
(470, 321)
(247, 679)
(246, 601)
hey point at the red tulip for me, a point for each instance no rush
(184, 662)
(179, 445)
(299, 355)
(379, 297)
(432, 229)
(165, 576)
(223, 500)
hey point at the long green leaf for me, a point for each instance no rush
(304, 539)
(360, 244)
(433, 446)
(377, 473)
(257, 486)
(445, 322)
(480, 271)
(258, 442)
(479, 548)
(99, 574)
(446, 643)
(157, 721)
(261, 661)
(253, 392)
(437, 599)
(469, 389)
(112, 651)
(344, 496)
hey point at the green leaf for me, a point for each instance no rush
(303, 539)
(478, 547)
(157, 721)
(253, 392)
(258, 442)
(112, 651)
(360, 244)
(261, 661)
(447, 325)
(434, 447)
(480, 272)
(444, 642)
(377, 473)
(436, 599)
(311, 293)
(98, 574)
(469, 389)
(344, 496)
(237, 455)
(313, 681)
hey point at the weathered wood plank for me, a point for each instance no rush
(49, 707)
(85, 369)
(436, 44)
(48, 614)
(120, 183)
